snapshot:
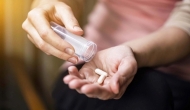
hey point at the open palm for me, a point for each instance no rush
(118, 62)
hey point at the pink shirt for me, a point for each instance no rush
(116, 21)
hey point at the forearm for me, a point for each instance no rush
(169, 44)
(162, 47)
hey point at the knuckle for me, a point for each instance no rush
(32, 13)
(68, 8)
(60, 46)
(24, 25)
(64, 6)
(44, 33)
(62, 56)
(42, 46)
(35, 13)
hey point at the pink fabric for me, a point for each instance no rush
(113, 22)
(116, 21)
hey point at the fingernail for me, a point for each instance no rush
(69, 51)
(72, 60)
(77, 28)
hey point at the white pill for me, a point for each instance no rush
(100, 72)
(101, 79)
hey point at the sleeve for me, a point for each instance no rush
(180, 16)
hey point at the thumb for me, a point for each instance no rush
(71, 23)
(126, 70)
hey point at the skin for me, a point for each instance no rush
(38, 27)
(120, 73)
(162, 47)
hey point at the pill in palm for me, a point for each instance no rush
(102, 74)
(101, 79)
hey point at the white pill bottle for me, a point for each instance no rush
(84, 49)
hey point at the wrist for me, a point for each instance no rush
(139, 56)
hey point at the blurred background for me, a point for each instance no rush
(27, 75)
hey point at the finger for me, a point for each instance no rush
(77, 83)
(32, 40)
(89, 74)
(67, 17)
(41, 23)
(67, 79)
(74, 71)
(95, 90)
(45, 47)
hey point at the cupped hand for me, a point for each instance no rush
(37, 26)
(121, 66)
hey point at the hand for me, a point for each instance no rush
(118, 62)
(39, 32)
